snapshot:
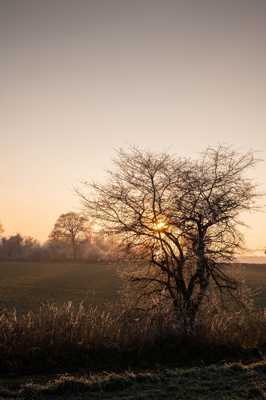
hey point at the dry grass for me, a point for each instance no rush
(69, 338)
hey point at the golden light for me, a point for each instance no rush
(160, 226)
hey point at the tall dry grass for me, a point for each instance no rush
(67, 337)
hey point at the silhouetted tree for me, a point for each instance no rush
(17, 247)
(179, 219)
(32, 250)
(12, 247)
(70, 228)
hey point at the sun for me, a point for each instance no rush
(160, 226)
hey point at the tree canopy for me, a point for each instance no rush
(70, 228)
(178, 217)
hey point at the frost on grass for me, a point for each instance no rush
(234, 381)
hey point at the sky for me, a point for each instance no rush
(80, 79)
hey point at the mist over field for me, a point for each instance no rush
(26, 285)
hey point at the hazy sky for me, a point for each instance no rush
(81, 78)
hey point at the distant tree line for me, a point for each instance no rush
(70, 239)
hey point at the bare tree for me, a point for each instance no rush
(70, 228)
(178, 217)
(12, 247)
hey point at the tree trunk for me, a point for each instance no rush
(74, 249)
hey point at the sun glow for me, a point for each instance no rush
(160, 226)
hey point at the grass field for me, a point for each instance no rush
(255, 278)
(217, 382)
(26, 285)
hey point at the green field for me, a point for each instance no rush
(26, 285)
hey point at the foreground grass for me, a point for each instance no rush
(68, 338)
(235, 381)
